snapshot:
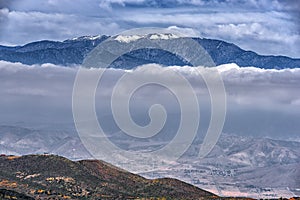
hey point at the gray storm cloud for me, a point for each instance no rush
(266, 27)
(260, 102)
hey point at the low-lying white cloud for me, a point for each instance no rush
(44, 94)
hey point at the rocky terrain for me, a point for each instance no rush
(55, 177)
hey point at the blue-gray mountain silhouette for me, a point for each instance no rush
(73, 52)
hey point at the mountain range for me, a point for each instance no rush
(237, 166)
(73, 52)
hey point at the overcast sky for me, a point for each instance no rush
(264, 26)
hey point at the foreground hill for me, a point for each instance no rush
(73, 51)
(48, 176)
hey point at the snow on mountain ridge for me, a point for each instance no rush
(165, 36)
(94, 37)
(154, 36)
(127, 38)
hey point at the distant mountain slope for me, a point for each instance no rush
(47, 176)
(246, 151)
(67, 52)
(223, 53)
(73, 51)
(20, 141)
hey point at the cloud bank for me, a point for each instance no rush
(259, 102)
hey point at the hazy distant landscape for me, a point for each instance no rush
(96, 103)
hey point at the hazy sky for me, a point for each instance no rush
(265, 26)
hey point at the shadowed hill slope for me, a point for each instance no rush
(47, 176)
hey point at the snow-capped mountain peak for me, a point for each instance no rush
(162, 36)
(153, 36)
(94, 37)
(127, 38)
